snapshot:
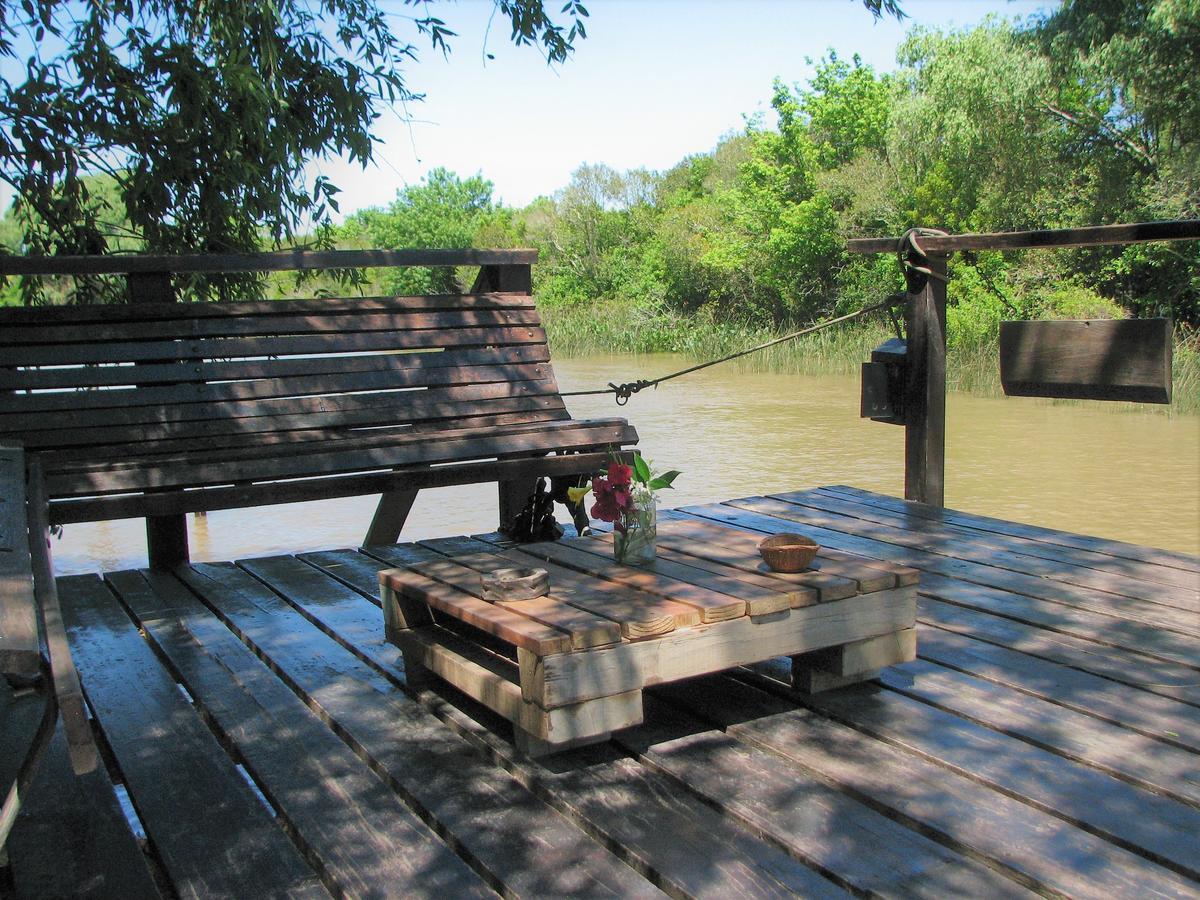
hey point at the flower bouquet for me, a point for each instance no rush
(625, 496)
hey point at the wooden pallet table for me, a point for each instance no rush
(569, 668)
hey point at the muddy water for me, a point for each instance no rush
(1087, 468)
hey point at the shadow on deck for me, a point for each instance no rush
(262, 741)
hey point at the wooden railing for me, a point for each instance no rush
(924, 385)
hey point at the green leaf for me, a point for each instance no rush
(664, 480)
(641, 469)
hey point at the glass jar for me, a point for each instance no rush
(636, 544)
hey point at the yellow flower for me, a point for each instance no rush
(576, 494)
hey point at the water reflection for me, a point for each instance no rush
(1087, 468)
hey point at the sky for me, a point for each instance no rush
(654, 81)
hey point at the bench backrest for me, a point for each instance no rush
(103, 383)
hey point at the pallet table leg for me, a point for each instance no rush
(400, 614)
(534, 747)
(835, 667)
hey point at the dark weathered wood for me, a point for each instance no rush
(390, 516)
(819, 824)
(20, 651)
(124, 506)
(367, 840)
(72, 840)
(1180, 589)
(960, 812)
(259, 262)
(925, 388)
(517, 278)
(28, 716)
(1101, 359)
(1092, 236)
(149, 287)
(212, 834)
(67, 691)
(521, 845)
(287, 345)
(1151, 556)
(167, 541)
(1158, 826)
(940, 557)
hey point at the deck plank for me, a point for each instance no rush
(213, 835)
(95, 853)
(941, 577)
(347, 820)
(1148, 673)
(1042, 851)
(1120, 549)
(1150, 714)
(525, 846)
(865, 850)
(1011, 553)
(1164, 769)
(951, 558)
(1156, 826)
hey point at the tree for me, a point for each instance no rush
(442, 211)
(204, 115)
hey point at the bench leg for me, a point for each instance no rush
(514, 494)
(390, 516)
(167, 541)
(835, 667)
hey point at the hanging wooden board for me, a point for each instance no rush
(1088, 359)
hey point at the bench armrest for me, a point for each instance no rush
(67, 690)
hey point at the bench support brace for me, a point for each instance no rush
(390, 516)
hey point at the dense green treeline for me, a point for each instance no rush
(1088, 116)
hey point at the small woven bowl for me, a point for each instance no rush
(788, 552)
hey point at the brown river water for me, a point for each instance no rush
(1101, 469)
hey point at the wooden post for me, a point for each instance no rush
(925, 388)
(166, 536)
(513, 494)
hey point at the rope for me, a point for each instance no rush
(622, 392)
(909, 246)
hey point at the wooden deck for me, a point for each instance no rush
(1046, 741)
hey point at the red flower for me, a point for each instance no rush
(606, 508)
(620, 474)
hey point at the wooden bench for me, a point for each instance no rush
(38, 680)
(157, 408)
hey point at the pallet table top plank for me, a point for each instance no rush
(762, 594)
(584, 628)
(820, 824)
(1000, 552)
(943, 577)
(510, 627)
(638, 613)
(963, 813)
(522, 845)
(1149, 555)
(212, 833)
(709, 605)
(1161, 827)
(948, 558)
(368, 841)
